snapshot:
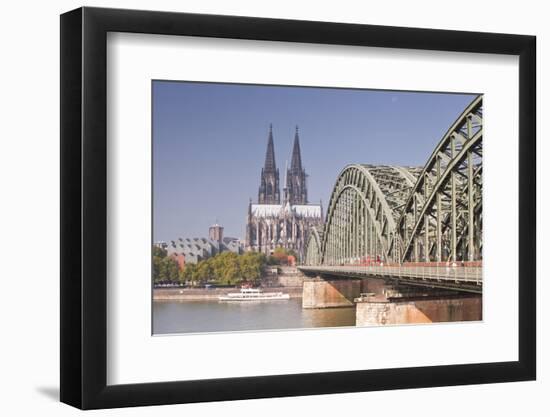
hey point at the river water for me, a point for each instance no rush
(215, 316)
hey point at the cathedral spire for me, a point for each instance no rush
(270, 153)
(296, 162)
(296, 188)
(269, 192)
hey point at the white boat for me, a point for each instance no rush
(253, 294)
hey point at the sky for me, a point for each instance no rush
(209, 143)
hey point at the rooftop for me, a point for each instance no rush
(275, 210)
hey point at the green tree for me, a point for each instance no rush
(217, 267)
(160, 252)
(224, 268)
(230, 273)
(156, 268)
(251, 264)
(188, 272)
(168, 270)
(271, 260)
(203, 272)
(158, 255)
(281, 255)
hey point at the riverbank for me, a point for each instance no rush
(197, 294)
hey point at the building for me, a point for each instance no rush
(295, 191)
(272, 222)
(196, 249)
(215, 232)
(269, 191)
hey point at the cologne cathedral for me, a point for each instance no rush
(281, 222)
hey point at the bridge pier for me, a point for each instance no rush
(327, 293)
(381, 301)
(375, 310)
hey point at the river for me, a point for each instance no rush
(215, 316)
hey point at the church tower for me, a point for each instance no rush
(272, 223)
(295, 187)
(269, 192)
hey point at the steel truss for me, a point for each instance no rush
(409, 214)
(313, 247)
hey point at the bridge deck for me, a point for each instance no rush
(459, 278)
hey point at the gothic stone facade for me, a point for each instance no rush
(273, 222)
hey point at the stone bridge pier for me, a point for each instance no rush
(380, 301)
(422, 307)
(329, 292)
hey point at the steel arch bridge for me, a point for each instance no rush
(399, 215)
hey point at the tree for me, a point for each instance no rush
(281, 255)
(217, 266)
(168, 270)
(224, 268)
(271, 260)
(158, 255)
(188, 272)
(227, 268)
(160, 252)
(156, 268)
(203, 272)
(251, 264)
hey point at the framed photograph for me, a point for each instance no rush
(257, 207)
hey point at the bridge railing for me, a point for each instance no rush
(465, 274)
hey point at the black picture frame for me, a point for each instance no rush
(84, 207)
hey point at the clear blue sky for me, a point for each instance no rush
(209, 143)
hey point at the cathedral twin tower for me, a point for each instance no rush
(295, 189)
(281, 222)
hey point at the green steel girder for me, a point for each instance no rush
(378, 190)
(409, 214)
(451, 181)
(313, 247)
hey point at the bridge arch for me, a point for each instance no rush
(442, 218)
(409, 214)
(361, 216)
(313, 247)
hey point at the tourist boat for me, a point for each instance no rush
(253, 294)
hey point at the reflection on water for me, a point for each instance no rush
(215, 316)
